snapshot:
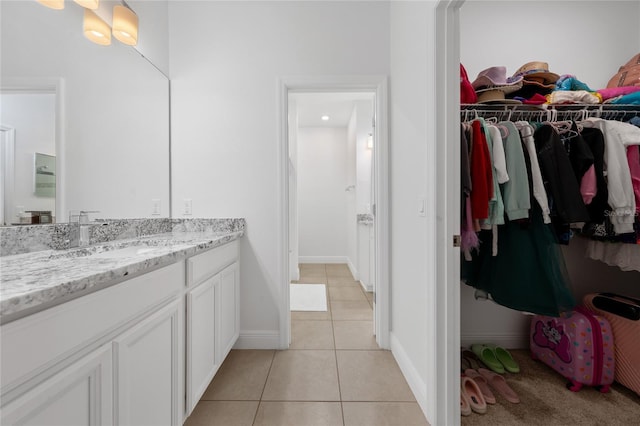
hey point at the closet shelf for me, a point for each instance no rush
(549, 112)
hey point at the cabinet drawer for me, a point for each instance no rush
(206, 264)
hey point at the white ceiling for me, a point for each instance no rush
(337, 105)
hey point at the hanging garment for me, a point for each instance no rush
(618, 136)
(528, 274)
(469, 239)
(599, 203)
(633, 157)
(559, 178)
(481, 174)
(579, 152)
(516, 195)
(498, 155)
(539, 191)
(496, 205)
(589, 185)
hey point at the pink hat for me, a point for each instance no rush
(495, 78)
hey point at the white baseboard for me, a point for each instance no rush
(323, 259)
(258, 339)
(507, 341)
(416, 384)
(365, 287)
(353, 270)
(296, 274)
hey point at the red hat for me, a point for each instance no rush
(467, 94)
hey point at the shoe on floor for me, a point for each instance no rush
(488, 357)
(504, 357)
(470, 390)
(499, 383)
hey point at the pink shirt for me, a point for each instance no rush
(633, 156)
(588, 186)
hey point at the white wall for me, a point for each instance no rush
(351, 216)
(412, 177)
(116, 109)
(323, 173)
(363, 156)
(607, 31)
(226, 58)
(33, 118)
(153, 34)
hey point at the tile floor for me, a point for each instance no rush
(333, 373)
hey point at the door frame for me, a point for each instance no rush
(7, 157)
(377, 84)
(447, 122)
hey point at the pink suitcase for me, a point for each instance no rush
(623, 313)
(578, 345)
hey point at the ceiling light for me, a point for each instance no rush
(53, 4)
(95, 29)
(370, 141)
(125, 25)
(88, 4)
(325, 118)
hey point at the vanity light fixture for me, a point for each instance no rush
(52, 4)
(370, 141)
(95, 29)
(125, 25)
(88, 4)
(325, 118)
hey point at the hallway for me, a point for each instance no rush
(333, 373)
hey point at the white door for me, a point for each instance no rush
(146, 376)
(81, 394)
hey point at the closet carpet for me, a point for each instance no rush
(546, 401)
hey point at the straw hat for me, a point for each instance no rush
(538, 74)
(495, 96)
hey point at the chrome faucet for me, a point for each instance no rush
(79, 235)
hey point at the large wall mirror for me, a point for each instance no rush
(100, 113)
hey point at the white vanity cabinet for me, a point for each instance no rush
(139, 352)
(80, 394)
(212, 316)
(98, 359)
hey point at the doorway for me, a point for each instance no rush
(332, 235)
(373, 88)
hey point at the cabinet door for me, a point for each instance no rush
(201, 355)
(228, 309)
(147, 370)
(81, 394)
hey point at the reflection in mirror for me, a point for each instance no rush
(32, 119)
(108, 119)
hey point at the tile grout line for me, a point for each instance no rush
(335, 355)
(255, 415)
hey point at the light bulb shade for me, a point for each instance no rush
(53, 4)
(88, 4)
(125, 25)
(95, 29)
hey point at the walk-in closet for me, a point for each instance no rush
(541, 254)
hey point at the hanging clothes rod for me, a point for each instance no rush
(576, 112)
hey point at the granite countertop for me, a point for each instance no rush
(34, 281)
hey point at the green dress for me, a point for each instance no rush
(528, 274)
